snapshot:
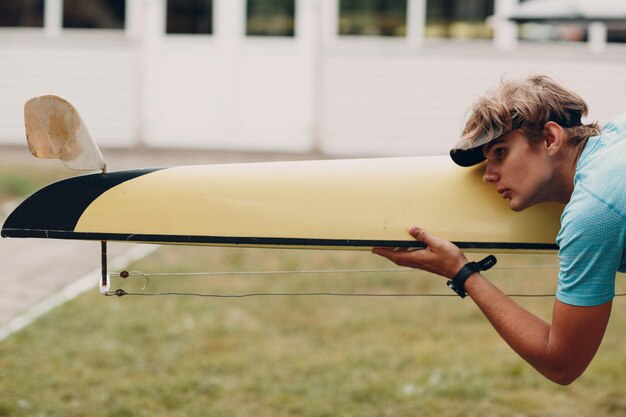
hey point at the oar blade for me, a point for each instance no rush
(54, 129)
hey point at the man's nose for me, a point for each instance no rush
(490, 175)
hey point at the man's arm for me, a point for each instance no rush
(560, 351)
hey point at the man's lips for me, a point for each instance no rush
(504, 192)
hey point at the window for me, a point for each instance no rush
(458, 19)
(21, 13)
(190, 16)
(541, 29)
(616, 35)
(372, 17)
(270, 17)
(97, 14)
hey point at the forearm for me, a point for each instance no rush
(526, 333)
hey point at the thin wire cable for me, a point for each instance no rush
(123, 293)
(147, 276)
(126, 274)
(244, 273)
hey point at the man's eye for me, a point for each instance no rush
(500, 153)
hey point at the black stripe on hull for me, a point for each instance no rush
(262, 241)
(58, 206)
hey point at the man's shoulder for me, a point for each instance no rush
(616, 123)
(603, 168)
(614, 131)
(599, 197)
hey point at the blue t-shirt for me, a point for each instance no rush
(592, 239)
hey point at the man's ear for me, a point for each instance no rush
(554, 137)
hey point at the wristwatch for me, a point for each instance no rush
(457, 283)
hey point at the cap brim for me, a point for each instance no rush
(467, 157)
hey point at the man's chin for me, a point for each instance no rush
(516, 206)
(521, 205)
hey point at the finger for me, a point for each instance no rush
(420, 235)
(401, 258)
(385, 252)
(394, 256)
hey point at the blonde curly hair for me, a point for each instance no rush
(524, 104)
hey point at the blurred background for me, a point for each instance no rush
(160, 82)
(334, 77)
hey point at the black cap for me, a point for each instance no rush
(469, 151)
(467, 157)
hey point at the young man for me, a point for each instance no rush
(538, 150)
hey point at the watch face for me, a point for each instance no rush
(458, 282)
(460, 291)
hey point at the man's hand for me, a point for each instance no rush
(439, 256)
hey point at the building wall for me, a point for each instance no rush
(339, 95)
(96, 73)
(380, 100)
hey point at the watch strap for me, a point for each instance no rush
(457, 283)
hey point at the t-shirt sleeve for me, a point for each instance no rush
(591, 245)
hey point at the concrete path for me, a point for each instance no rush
(39, 274)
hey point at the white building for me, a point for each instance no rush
(235, 84)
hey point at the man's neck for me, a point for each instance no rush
(566, 171)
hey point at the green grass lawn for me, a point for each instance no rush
(290, 355)
(18, 181)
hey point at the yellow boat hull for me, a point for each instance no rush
(339, 204)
